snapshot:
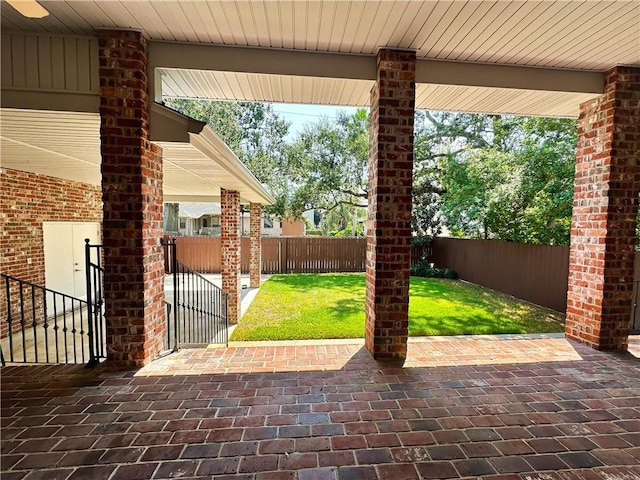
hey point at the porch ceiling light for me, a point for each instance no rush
(29, 8)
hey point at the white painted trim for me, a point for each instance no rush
(210, 144)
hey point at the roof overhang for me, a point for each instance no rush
(526, 57)
(197, 163)
(270, 75)
(64, 144)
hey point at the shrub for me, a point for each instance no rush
(420, 241)
(426, 269)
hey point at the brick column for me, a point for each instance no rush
(389, 213)
(230, 226)
(255, 253)
(605, 204)
(132, 198)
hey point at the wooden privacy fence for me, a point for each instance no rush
(313, 254)
(535, 273)
(283, 254)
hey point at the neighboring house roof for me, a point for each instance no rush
(197, 209)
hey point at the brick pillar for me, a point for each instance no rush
(132, 198)
(603, 235)
(255, 253)
(230, 226)
(389, 214)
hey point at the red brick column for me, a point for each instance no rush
(255, 252)
(132, 197)
(389, 215)
(230, 226)
(599, 299)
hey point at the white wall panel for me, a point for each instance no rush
(49, 63)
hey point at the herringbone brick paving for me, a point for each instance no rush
(520, 407)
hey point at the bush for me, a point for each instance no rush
(420, 241)
(425, 269)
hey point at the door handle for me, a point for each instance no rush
(77, 270)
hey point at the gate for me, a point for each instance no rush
(93, 257)
(635, 313)
(198, 307)
(40, 325)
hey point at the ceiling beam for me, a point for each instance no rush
(46, 100)
(191, 56)
(436, 72)
(363, 67)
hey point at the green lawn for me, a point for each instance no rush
(311, 306)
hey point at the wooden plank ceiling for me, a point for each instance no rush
(586, 35)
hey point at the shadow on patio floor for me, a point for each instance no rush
(534, 408)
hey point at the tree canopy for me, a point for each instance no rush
(479, 176)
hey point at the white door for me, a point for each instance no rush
(64, 262)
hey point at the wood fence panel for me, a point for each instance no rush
(271, 255)
(245, 250)
(283, 254)
(535, 273)
(202, 254)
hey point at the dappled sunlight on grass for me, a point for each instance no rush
(313, 306)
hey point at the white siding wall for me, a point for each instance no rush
(50, 63)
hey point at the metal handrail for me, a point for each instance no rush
(200, 307)
(38, 310)
(95, 300)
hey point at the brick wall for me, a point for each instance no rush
(389, 214)
(604, 214)
(230, 224)
(255, 247)
(26, 201)
(132, 195)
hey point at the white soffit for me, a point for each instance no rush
(508, 101)
(58, 144)
(264, 87)
(67, 145)
(568, 34)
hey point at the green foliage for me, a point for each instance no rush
(421, 241)
(427, 270)
(255, 133)
(501, 177)
(327, 166)
(308, 306)
(480, 176)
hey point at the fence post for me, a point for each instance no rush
(285, 256)
(176, 292)
(93, 361)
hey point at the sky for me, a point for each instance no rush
(301, 115)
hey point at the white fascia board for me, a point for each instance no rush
(210, 144)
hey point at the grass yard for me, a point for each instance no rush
(312, 306)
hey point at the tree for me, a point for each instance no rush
(511, 178)
(327, 164)
(255, 133)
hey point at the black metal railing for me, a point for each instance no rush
(94, 271)
(40, 325)
(199, 307)
(635, 313)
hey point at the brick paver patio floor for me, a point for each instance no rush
(491, 407)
